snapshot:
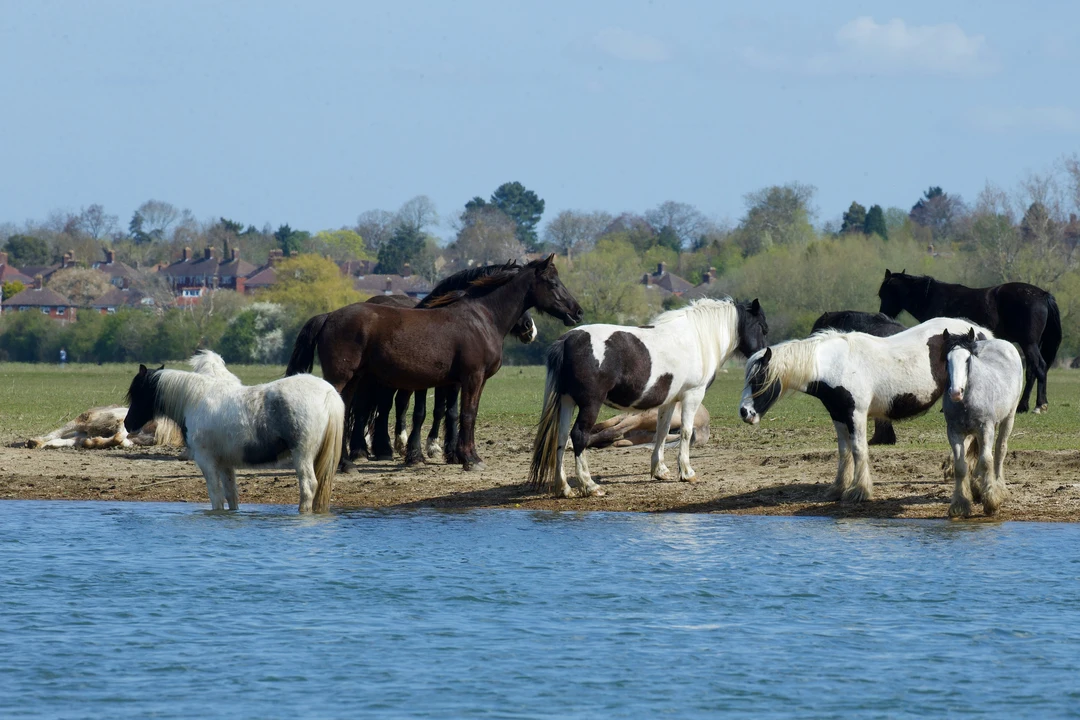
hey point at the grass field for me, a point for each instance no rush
(37, 398)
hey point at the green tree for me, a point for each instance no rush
(404, 246)
(27, 251)
(339, 245)
(875, 223)
(605, 285)
(854, 219)
(12, 288)
(291, 241)
(668, 238)
(26, 336)
(778, 215)
(524, 207)
(308, 285)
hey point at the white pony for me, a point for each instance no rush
(986, 378)
(855, 376)
(672, 359)
(229, 425)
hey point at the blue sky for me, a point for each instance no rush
(311, 113)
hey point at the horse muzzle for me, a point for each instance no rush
(956, 395)
(749, 416)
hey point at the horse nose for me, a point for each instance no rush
(957, 395)
(746, 414)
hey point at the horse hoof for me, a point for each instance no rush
(1040, 410)
(596, 492)
(477, 466)
(834, 493)
(1022, 408)
(689, 478)
(960, 509)
(384, 456)
(413, 459)
(855, 495)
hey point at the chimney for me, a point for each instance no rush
(187, 254)
(66, 261)
(235, 254)
(3, 258)
(406, 271)
(646, 279)
(37, 282)
(241, 283)
(710, 277)
(208, 253)
(275, 256)
(125, 283)
(661, 268)
(389, 287)
(110, 257)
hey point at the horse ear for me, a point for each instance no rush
(887, 274)
(162, 366)
(945, 335)
(971, 334)
(981, 337)
(550, 259)
(142, 369)
(755, 307)
(768, 354)
(903, 272)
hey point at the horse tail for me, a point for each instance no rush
(303, 353)
(545, 447)
(1051, 337)
(329, 455)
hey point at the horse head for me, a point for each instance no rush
(957, 351)
(550, 295)
(894, 292)
(758, 394)
(141, 397)
(753, 327)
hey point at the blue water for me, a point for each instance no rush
(165, 610)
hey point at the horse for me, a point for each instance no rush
(103, 427)
(674, 358)
(456, 341)
(228, 425)
(856, 376)
(638, 428)
(1016, 311)
(985, 380)
(446, 398)
(878, 324)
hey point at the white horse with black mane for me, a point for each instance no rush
(855, 376)
(673, 359)
(986, 379)
(228, 425)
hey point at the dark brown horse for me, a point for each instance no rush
(1016, 311)
(458, 341)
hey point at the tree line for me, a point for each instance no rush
(778, 250)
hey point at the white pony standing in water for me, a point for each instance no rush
(986, 378)
(228, 425)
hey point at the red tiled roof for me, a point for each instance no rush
(33, 297)
(117, 297)
(9, 273)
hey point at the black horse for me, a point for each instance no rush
(1018, 312)
(877, 324)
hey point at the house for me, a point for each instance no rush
(393, 284)
(192, 277)
(263, 276)
(664, 283)
(46, 271)
(9, 273)
(707, 288)
(120, 274)
(120, 297)
(42, 299)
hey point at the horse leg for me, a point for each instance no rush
(996, 491)
(863, 487)
(438, 411)
(401, 408)
(414, 454)
(663, 422)
(566, 410)
(961, 499)
(1040, 377)
(306, 479)
(213, 480)
(228, 483)
(1032, 361)
(360, 409)
(380, 431)
(471, 388)
(883, 433)
(844, 467)
(579, 436)
(453, 422)
(690, 403)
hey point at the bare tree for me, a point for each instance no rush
(575, 231)
(686, 221)
(487, 235)
(96, 223)
(418, 214)
(375, 227)
(155, 217)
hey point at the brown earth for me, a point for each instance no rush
(908, 483)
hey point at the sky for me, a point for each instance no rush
(312, 113)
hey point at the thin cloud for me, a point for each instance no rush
(626, 44)
(863, 46)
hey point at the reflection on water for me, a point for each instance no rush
(133, 610)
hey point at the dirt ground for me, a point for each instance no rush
(736, 477)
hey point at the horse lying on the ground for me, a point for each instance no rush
(855, 376)
(629, 429)
(985, 381)
(877, 324)
(229, 425)
(103, 427)
(674, 358)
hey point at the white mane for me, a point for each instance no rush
(209, 363)
(715, 324)
(178, 391)
(794, 362)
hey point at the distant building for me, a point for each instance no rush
(664, 283)
(43, 300)
(120, 274)
(120, 297)
(192, 277)
(9, 273)
(393, 284)
(708, 287)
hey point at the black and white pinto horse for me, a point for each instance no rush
(673, 359)
(1016, 311)
(855, 376)
(878, 324)
(985, 380)
(228, 425)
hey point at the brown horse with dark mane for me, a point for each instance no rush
(458, 340)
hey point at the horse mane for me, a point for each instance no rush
(209, 363)
(709, 317)
(794, 363)
(457, 286)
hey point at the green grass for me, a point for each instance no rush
(37, 398)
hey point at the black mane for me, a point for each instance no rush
(453, 288)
